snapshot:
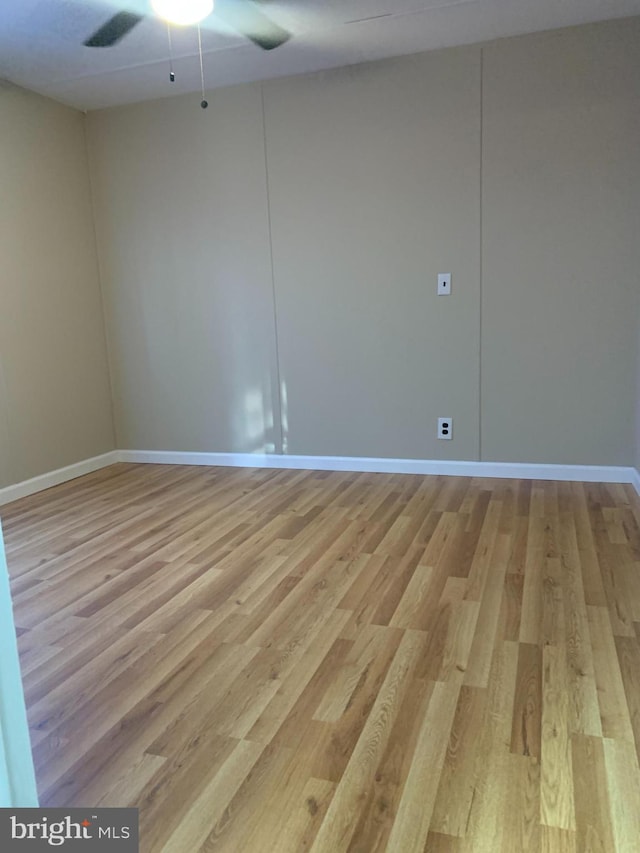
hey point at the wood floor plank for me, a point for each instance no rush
(338, 826)
(621, 766)
(304, 802)
(522, 830)
(531, 620)
(477, 674)
(554, 840)
(209, 806)
(366, 650)
(462, 768)
(594, 830)
(527, 712)
(584, 711)
(511, 612)
(288, 693)
(345, 732)
(486, 823)
(556, 784)
(628, 652)
(376, 819)
(411, 826)
(292, 660)
(614, 710)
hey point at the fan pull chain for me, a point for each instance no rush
(172, 76)
(203, 103)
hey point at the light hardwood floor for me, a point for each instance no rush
(283, 661)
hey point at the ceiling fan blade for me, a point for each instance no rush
(245, 17)
(115, 29)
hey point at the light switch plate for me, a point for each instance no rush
(444, 283)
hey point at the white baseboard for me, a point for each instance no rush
(54, 478)
(521, 471)
(526, 471)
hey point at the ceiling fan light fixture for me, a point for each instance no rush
(182, 12)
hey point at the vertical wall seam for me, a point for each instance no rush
(278, 401)
(481, 258)
(100, 277)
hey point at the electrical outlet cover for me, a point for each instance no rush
(445, 428)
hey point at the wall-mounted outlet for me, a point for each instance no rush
(445, 427)
(444, 283)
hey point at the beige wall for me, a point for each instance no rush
(375, 177)
(374, 189)
(181, 210)
(561, 254)
(55, 404)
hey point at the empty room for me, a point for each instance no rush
(320, 426)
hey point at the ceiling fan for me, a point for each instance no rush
(244, 16)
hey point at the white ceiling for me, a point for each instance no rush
(41, 41)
